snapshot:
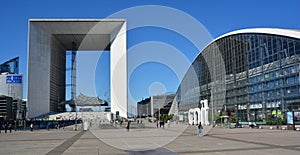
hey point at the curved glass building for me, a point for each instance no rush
(251, 73)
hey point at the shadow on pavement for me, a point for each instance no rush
(152, 152)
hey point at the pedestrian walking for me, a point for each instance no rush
(16, 125)
(9, 127)
(128, 125)
(5, 127)
(57, 125)
(31, 127)
(200, 128)
(48, 126)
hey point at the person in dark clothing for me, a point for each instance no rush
(31, 127)
(160, 124)
(16, 125)
(9, 127)
(48, 126)
(163, 124)
(5, 127)
(128, 126)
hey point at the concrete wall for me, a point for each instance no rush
(39, 54)
(118, 69)
(57, 74)
(48, 42)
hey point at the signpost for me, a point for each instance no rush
(290, 120)
(14, 79)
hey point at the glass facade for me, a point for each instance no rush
(250, 74)
(11, 66)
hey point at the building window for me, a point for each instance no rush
(290, 80)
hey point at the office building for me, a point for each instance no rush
(250, 73)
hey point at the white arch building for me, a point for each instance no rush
(48, 41)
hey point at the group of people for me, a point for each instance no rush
(162, 124)
(6, 126)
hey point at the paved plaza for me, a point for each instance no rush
(178, 139)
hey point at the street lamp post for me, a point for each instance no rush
(236, 116)
(159, 114)
(199, 106)
(75, 117)
(212, 112)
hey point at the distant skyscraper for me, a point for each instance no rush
(11, 82)
(11, 66)
(11, 91)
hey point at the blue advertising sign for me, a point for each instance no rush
(289, 117)
(297, 117)
(14, 79)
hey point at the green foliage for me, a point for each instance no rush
(272, 120)
(166, 117)
(217, 118)
(232, 118)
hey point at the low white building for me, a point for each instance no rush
(11, 85)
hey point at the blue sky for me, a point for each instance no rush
(218, 17)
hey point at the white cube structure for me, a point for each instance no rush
(48, 41)
(197, 115)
